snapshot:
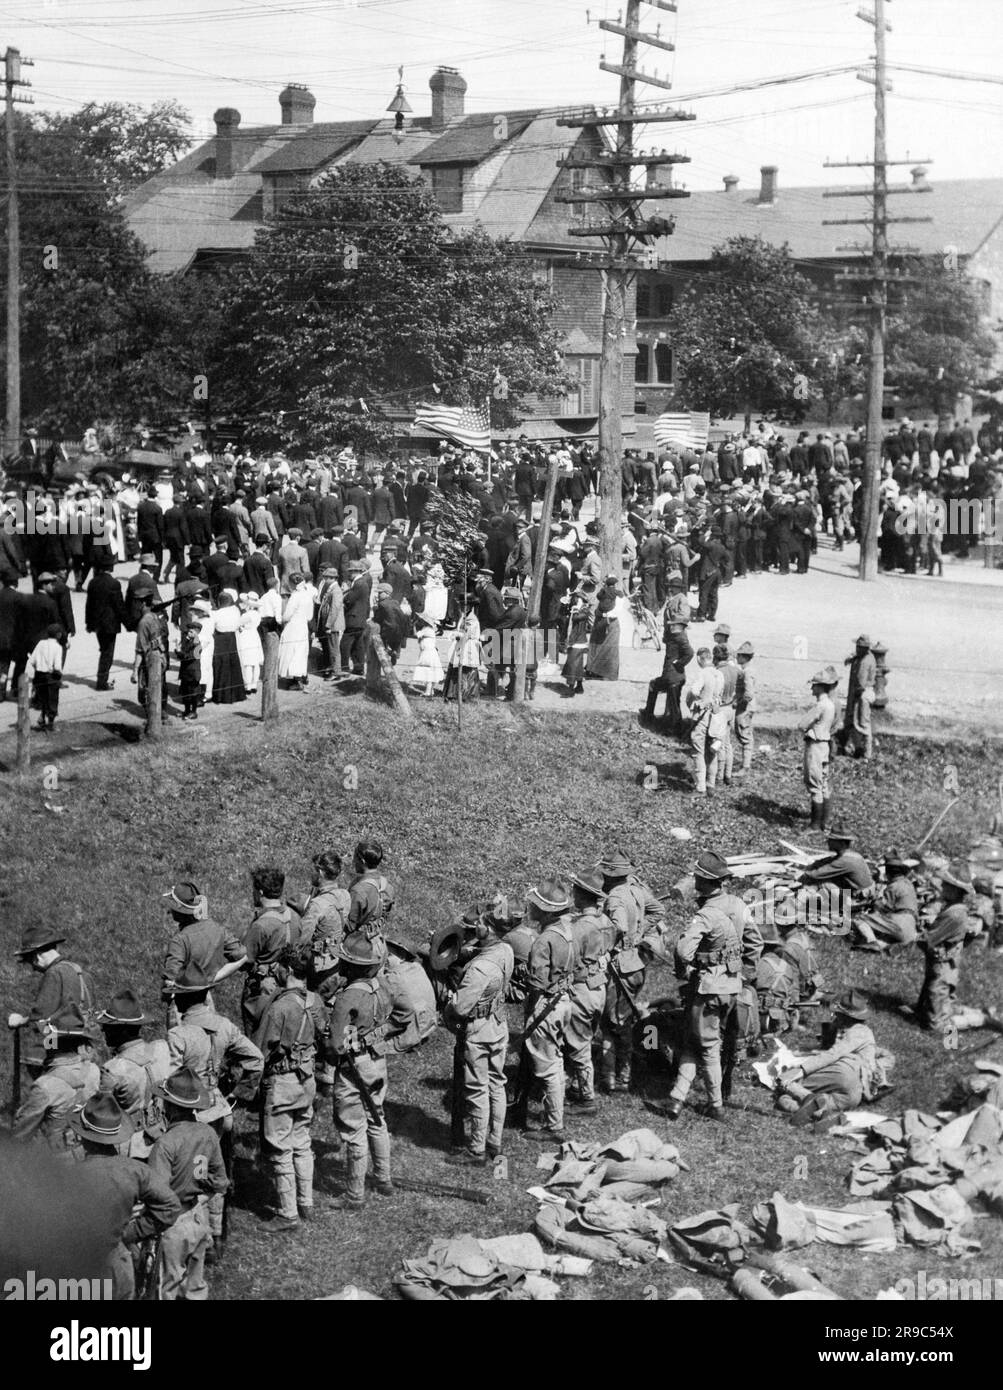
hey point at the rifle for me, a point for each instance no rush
(148, 1273)
(457, 1130)
(625, 994)
(523, 1076)
(348, 1062)
(15, 1095)
(481, 1195)
(226, 1148)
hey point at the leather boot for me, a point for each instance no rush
(649, 706)
(825, 815)
(816, 815)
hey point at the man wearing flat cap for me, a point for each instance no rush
(548, 1007)
(709, 969)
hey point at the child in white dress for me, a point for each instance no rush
(428, 672)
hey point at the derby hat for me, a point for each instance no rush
(35, 939)
(103, 1121)
(124, 1008)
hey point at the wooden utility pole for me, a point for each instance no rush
(524, 637)
(623, 230)
(154, 694)
(13, 63)
(879, 277)
(23, 724)
(269, 674)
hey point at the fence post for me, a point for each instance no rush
(270, 675)
(154, 686)
(23, 723)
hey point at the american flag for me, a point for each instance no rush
(468, 425)
(683, 429)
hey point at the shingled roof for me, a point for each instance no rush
(305, 150)
(964, 214)
(473, 138)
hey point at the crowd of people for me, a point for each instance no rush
(328, 996)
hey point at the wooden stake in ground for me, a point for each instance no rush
(23, 723)
(381, 678)
(154, 684)
(536, 590)
(269, 675)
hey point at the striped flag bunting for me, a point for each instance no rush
(468, 425)
(683, 429)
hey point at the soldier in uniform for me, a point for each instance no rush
(291, 1028)
(125, 1184)
(63, 981)
(896, 910)
(188, 1159)
(942, 945)
(843, 867)
(856, 731)
(745, 706)
(360, 1012)
(371, 894)
(213, 1048)
(68, 1077)
(713, 867)
(548, 1005)
(198, 938)
(275, 926)
(325, 914)
(825, 1083)
(709, 966)
(478, 1008)
(593, 937)
(797, 951)
(134, 1066)
(777, 984)
(816, 728)
(635, 912)
(678, 654)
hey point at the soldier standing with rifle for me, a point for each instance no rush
(634, 912)
(550, 975)
(360, 1012)
(291, 1027)
(709, 966)
(594, 934)
(477, 1011)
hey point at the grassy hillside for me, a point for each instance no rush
(509, 799)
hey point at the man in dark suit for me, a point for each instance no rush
(356, 496)
(150, 526)
(37, 612)
(104, 615)
(304, 513)
(220, 571)
(258, 568)
(329, 511)
(358, 599)
(56, 588)
(333, 552)
(398, 495)
(353, 542)
(176, 537)
(397, 575)
(197, 526)
(11, 616)
(417, 496)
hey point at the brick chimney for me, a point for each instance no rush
(918, 176)
(768, 185)
(297, 103)
(448, 89)
(730, 183)
(227, 120)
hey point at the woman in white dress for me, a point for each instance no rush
(249, 651)
(294, 644)
(207, 636)
(436, 595)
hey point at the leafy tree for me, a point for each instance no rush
(938, 345)
(358, 291)
(746, 334)
(86, 294)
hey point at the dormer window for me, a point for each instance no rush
(447, 185)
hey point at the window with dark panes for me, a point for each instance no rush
(643, 301)
(663, 364)
(642, 369)
(663, 301)
(447, 185)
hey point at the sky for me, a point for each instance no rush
(517, 53)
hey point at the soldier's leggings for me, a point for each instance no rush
(706, 1018)
(362, 1137)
